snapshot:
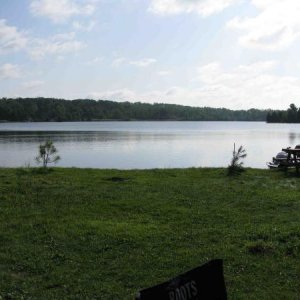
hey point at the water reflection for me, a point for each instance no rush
(84, 136)
(129, 145)
(294, 138)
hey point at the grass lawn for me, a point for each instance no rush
(105, 234)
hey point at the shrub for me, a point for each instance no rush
(236, 163)
(47, 154)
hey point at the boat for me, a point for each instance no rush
(280, 160)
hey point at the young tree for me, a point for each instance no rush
(47, 154)
(236, 165)
(292, 113)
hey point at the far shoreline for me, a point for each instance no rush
(133, 120)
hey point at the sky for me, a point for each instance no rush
(238, 54)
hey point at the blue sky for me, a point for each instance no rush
(218, 53)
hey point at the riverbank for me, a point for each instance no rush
(83, 233)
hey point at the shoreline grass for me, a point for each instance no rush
(105, 234)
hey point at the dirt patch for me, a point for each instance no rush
(117, 179)
(259, 247)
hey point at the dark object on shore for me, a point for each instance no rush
(287, 158)
(278, 160)
(205, 282)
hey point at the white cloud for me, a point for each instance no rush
(33, 84)
(117, 95)
(117, 62)
(10, 38)
(10, 71)
(88, 26)
(171, 95)
(243, 87)
(202, 7)
(247, 86)
(163, 73)
(56, 45)
(61, 10)
(94, 61)
(143, 62)
(275, 27)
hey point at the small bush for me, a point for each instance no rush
(236, 164)
(47, 154)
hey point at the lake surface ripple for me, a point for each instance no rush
(142, 145)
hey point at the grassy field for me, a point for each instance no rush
(105, 234)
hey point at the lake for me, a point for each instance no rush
(141, 145)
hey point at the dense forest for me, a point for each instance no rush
(48, 109)
(291, 115)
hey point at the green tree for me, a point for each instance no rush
(292, 113)
(47, 154)
(236, 163)
(50, 109)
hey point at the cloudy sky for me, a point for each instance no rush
(218, 53)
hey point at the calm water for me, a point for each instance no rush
(128, 145)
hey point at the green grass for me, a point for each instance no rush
(105, 234)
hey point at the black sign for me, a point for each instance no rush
(205, 282)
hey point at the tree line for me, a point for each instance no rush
(291, 115)
(50, 109)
